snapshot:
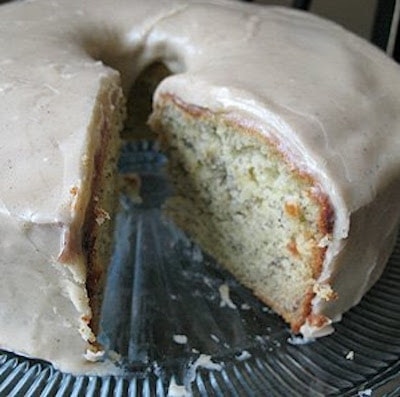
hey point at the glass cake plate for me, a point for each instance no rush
(183, 326)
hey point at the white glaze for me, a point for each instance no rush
(328, 97)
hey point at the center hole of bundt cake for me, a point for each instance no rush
(140, 102)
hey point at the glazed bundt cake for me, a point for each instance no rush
(282, 133)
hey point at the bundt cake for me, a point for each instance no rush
(282, 133)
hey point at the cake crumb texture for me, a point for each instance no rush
(243, 203)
